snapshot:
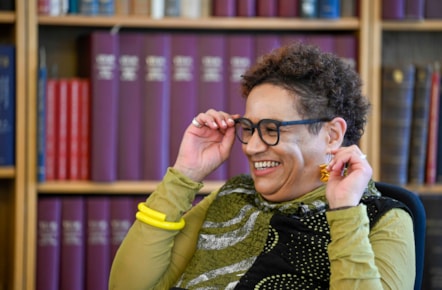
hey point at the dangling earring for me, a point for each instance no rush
(323, 169)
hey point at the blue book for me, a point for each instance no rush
(89, 7)
(7, 105)
(106, 7)
(330, 9)
(74, 6)
(41, 118)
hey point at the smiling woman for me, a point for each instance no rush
(283, 226)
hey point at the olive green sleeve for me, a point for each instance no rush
(383, 258)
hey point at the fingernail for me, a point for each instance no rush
(223, 123)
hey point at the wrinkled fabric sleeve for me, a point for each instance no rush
(143, 260)
(383, 258)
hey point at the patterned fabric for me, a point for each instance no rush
(249, 243)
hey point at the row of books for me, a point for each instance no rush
(7, 5)
(411, 131)
(411, 9)
(78, 236)
(145, 90)
(328, 9)
(7, 105)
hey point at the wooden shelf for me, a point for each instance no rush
(7, 172)
(424, 25)
(7, 17)
(212, 23)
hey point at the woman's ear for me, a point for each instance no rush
(336, 131)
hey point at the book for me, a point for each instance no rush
(101, 62)
(48, 242)
(139, 7)
(89, 7)
(240, 56)
(325, 42)
(346, 46)
(50, 129)
(414, 9)
(224, 8)
(396, 116)
(85, 124)
(106, 7)
(433, 9)
(266, 8)
(419, 125)
(73, 7)
(329, 9)
(7, 105)
(157, 9)
(348, 8)
(211, 82)
(309, 8)
(393, 9)
(265, 43)
(289, 38)
(122, 216)
(433, 124)
(98, 249)
(246, 8)
(61, 126)
(73, 129)
(129, 106)
(172, 8)
(206, 8)
(73, 237)
(433, 241)
(183, 95)
(288, 8)
(190, 8)
(41, 112)
(7, 5)
(155, 126)
(122, 7)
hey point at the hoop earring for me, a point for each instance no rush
(325, 174)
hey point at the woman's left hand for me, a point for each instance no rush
(346, 189)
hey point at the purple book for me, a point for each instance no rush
(433, 9)
(240, 56)
(212, 80)
(292, 38)
(156, 106)
(122, 215)
(266, 8)
(346, 48)
(129, 114)
(104, 81)
(288, 8)
(224, 8)
(246, 8)
(72, 243)
(393, 9)
(97, 242)
(414, 9)
(183, 97)
(325, 42)
(265, 43)
(48, 242)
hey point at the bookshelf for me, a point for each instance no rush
(12, 178)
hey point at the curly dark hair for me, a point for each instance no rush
(325, 85)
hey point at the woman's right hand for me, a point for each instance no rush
(206, 144)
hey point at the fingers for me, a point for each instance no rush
(214, 119)
(348, 157)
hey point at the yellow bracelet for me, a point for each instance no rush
(151, 213)
(171, 226)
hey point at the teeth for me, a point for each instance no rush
(265, 164)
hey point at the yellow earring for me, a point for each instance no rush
(325, 174)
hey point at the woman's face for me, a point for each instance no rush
(291, 168)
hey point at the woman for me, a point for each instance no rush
(307, 217)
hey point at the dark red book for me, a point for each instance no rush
(240, 56)
(288, 8)
(183, 98)
(73, 129)
(393, 9)
(85, 124)
(129, 115)
(325, 42)
(265, 43)
(156, 105)
(266, 8)
(98, 249)
(246, 8)
(122, 216)
(224, 8)
(414, 9)
(73, 237)
(346, 48)
(61, 157)
(104, 123)
(211, 82)
(48, 242)
(50, 132)
(433, 9)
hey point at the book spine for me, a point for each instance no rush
(106, 7)
(266, 8)
(172, 8)
(50, 132)
(97, 242)
(44, 7)
(74, 7)
(393, 9)
(206, 8)
(325, 42)
(61, 141)
(397, 105)
(348, 8)
(140, 7)
(414, 9)
(7, 5)
(41, 118)
(288, 8)
(89, 7)
(246, 8)
(73, 236)
(157, 9)
(7, 105)
(265, 43)
(48, 242)
(73, 129)
(104, 80)
(329, 9)
(224, 8)
(433, 9)
(129, 115)
(156, 101)
(346, 48)
(85, 120)
(211, 93)
(309, 8)
(122, 7)
(122, 216)
(190, 8)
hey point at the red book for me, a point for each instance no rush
(224, 8)
(266, 8)
(288, 8)
(129, 115)
(48, 242)
(50, 132)
(61, 157)
(246, 8)
(122, 216)
(240, 56)
(73, 129)
(72, 243)
(98, 242)
(183, 101)
(85, 120)
(325, 42)
(156, 106)
(212, 76)
(346, 48)
(433, 127)
(393, 9)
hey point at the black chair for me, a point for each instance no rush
(413, 202)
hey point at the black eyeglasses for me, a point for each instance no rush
(268, 129)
